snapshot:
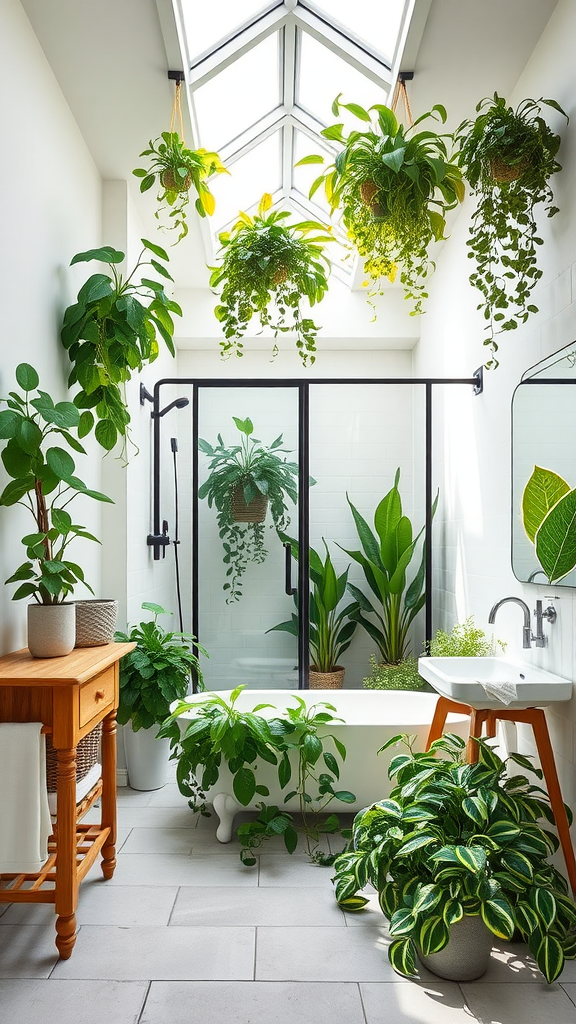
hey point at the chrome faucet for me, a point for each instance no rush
(527, 636)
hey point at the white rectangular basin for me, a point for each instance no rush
(462, 679)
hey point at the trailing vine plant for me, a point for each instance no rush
(508, 157)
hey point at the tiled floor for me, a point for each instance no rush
(184, 934)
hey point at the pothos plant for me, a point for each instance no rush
(43, 480)
(508, 156)
(267, 267)
(248, 470)
(112, 331)
(295, 743)
(175, 169)
(457, 839)
(394, 186)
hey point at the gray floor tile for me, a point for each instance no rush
(68, 1002)
(253, 1002)
(295, 870)
(161, 954)
(511, 962)
(519, 1004)
(160, 840)
(168, 796)
(173, 869)
(569, 988)
(428, 1002)
(160, 817)
(27, 951)
(101, 904)
(320, 954)
(132, 797)
(273, 906)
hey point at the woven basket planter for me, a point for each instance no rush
(253, 512)
(86, 757)
(327, 680)
(95, 622)
(504, 173)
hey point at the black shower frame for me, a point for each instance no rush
(159, 539)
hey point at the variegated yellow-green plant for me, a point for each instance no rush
(458, 839)
(549, 519)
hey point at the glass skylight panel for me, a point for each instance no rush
(208, 24)
(375, 23)
(239, 95)
(253, 174)
(323, 75)
(303, 177)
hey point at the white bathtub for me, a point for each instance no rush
(370, 718)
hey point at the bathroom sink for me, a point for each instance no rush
(463, 679)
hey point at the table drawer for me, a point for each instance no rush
(96, 695)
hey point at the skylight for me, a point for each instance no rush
(209, 24)
(375, 24)
(322, 75)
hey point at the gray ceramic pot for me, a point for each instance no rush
(467, 955)
(51, 630)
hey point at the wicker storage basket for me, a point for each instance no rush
(86, 757)
(95, 622)
(253, 512)
(327, 680)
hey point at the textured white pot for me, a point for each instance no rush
(146, 758)
(467, 955)
(51, 629)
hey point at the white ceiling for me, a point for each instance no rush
(110, 59)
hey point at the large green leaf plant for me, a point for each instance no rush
(43, 480)
(457, 839)
(549, 519)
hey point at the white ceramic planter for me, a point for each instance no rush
(146, 758)
(51, 629)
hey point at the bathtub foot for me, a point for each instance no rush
(226, 808)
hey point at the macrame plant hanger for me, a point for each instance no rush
(178, 77)
(400, 96)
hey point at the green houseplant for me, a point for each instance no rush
(152, 677)
(243, 481)
(508, 157)
(403, 676)
(549, 519)
(112, 331)
(465, 640)
(43, 480)
(331, 625)
(267, 267)
(394, 186)
(174, 169)
(459, 840)
(385, 557)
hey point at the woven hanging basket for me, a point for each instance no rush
(503, 172)
(86, 757)
(169, 182)
(95, 622)
(253, 512)
(327, 680)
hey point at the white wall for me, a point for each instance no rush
(472, 549)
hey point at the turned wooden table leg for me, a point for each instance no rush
(477, 719)
(109, 793)
(544, 747)
(66, 897)
(438, 721)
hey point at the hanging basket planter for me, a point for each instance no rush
(252, 512)
(503, 172)
(173, 182)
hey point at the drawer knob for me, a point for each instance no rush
(99, 695)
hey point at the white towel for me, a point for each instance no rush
(501, 690)
(24, 813)
(82, 788)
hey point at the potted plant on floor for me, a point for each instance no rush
(458, 856)
(43, 480)
(268, 266)
(331, 625)
(508, 157)
(244, 481)
(394, 186)
(548, 516)
(112, 331)
(154, 675)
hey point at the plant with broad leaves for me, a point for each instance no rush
(110, 332)
(549, 519)
(508, 157)
(156, 672)
(385, 558)
(175, 169)
(219, 732)
(268, 266)
(43, 480)
(242, 473)
(457, 839)
(394, 187)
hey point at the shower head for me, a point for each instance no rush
(178, 403)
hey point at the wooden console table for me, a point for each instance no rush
(70, 696)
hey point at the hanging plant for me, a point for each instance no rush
(508, 157)
(110, 332)
(244, 481)
(267, 267)
(174, 169)
(393, 186)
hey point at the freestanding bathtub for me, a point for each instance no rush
(370, 718)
